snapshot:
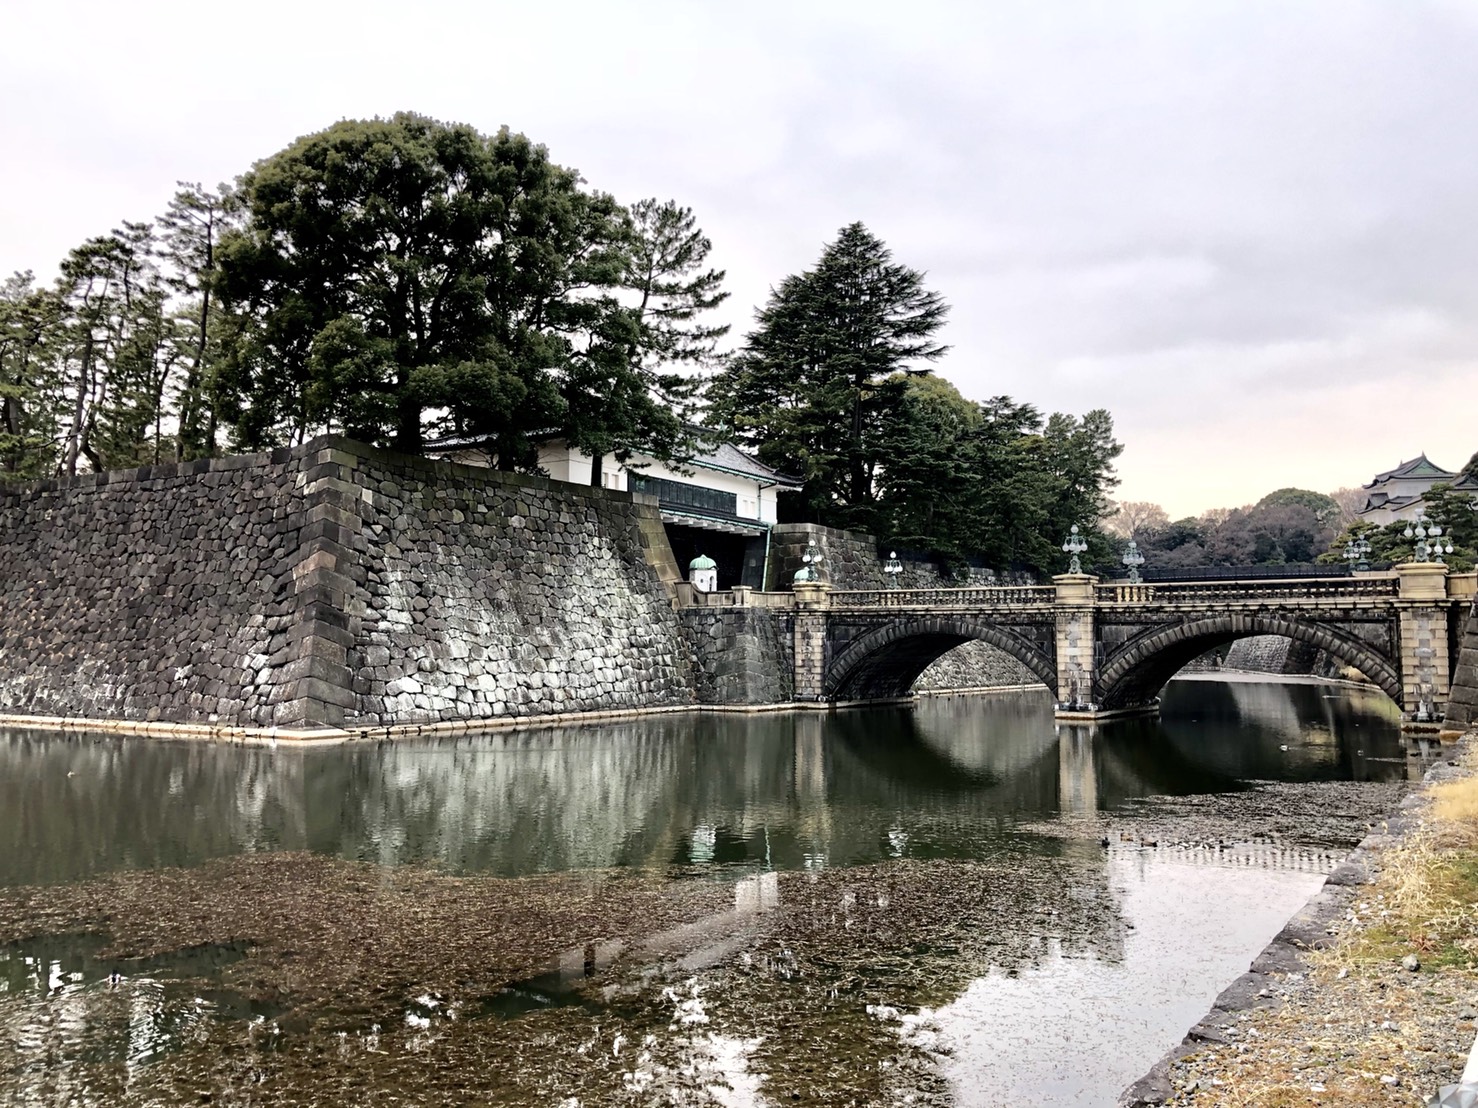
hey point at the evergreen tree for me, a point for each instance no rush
(115, 351)
(191, 230)
(818, 377)
(927, 484)
(672, 292)
(1079, 454)
(29, 322)
(401, 277)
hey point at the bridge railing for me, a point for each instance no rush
(992, 596)
(1318, 589)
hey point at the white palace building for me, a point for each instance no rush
(720, 504)
(1398, 494)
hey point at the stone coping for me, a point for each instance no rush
(322, 736)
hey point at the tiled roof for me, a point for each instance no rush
(729, 458)
(1468, 482)
(722, 457)
(1418, 467)
(1390, 503)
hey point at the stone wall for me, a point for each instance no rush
(741, 655)
(472, 594)
(1260, 654)
(975, 665)
(328, 584)
(1282, 655)
(160, 593)
(1462, 706)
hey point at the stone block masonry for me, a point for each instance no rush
(331, 585)
(163, 593)
(1462, 708)
(742, 655)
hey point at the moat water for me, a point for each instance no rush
(954, 903)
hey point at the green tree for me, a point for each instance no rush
(673, 293)
(29, 322)
(929, 476)
(1316, 502)
(190, 232)
(116, 351)
(818, 376)
(1079, 455)
(402, 277)
(1457, 513)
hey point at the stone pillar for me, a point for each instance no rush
(1077, 665)
(315, 686)
(1425, 665)
(810, 640)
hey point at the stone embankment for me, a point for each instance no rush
(1280, 655)
(1462, 707)
(1299, 1027)
(332, 584)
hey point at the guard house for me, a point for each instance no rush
(720, 504)
(1398, 494)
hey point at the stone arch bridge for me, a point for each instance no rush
(1108, 649)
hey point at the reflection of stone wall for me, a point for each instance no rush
(975, 665)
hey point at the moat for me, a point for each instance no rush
(954, 903)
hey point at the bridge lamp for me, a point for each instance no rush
(892, 567)
(1133, 559)
(1357, 553)
(1421, 530)
(811, 564)
(1075, 545)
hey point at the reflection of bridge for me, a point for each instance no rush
(1109, 649)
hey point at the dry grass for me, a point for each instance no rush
(1455, 807)
(1362, 1017)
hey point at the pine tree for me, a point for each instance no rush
(29, 322)
(191, 230)
(819, 374)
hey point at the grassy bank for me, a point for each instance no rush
(1364, 1027)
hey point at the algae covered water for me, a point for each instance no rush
(954, 903)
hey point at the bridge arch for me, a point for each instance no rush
(1135, 674)
(886, 661)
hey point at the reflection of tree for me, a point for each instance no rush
(1239, 729)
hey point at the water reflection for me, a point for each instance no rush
(951, 777)
(998, 924)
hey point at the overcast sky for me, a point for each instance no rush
(1249, 230)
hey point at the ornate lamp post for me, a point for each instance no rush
(1075, 545)
(1421, 530)
(1357, 553)
(893, 567)
(811, 568)
(1133, 559)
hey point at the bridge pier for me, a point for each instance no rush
(1076, 642)
(1423, 608)
(809, 641)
